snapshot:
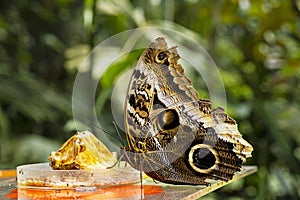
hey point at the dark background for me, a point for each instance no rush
(255, 44)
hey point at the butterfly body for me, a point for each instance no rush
(172, 135)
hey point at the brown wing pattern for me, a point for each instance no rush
(173, 135)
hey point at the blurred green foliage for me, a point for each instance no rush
(255, 44)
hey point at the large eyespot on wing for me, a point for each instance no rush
(203, 158)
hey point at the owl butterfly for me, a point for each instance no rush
(172, 135)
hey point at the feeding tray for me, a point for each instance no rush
(41, 175)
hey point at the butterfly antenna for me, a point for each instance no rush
(118, 161)
(118, 132)
(108, 133)
(112, 135)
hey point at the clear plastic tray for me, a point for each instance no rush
(42, 176)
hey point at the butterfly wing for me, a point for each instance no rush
(154, 100)
(175, 136)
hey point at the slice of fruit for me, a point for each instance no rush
(82, 151)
